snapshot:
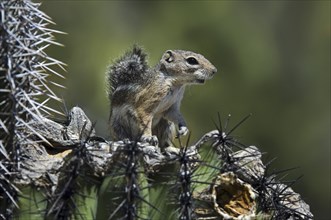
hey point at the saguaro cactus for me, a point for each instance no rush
(24, 88)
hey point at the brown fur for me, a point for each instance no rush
(150, 105)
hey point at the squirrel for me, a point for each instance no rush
(145, 102)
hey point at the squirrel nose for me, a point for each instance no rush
(213, 71)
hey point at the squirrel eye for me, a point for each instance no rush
(192, 61)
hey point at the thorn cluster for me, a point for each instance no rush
(24, 90)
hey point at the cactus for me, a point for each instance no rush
(24, 89)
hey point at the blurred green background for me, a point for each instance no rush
(273, 59)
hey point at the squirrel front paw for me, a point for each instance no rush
(183, 130)
(150, 139)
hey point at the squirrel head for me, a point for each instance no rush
(186, 67)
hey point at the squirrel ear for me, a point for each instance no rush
(168, 56)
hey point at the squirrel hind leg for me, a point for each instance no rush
(165, 131)
(123, 124)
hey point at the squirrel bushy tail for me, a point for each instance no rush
(127, 70)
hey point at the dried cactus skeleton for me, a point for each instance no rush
(58, 157)
(232, 193)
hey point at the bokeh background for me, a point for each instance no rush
(273, 59)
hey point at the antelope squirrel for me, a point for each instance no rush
(145, 102)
